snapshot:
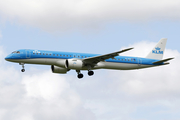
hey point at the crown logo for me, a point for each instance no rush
(158, 48)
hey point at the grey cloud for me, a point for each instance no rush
(45, 96)
(63, 15)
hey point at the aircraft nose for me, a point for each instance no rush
(7, 58)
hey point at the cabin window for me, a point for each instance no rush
(33, 53)
(37, 53)
(67, 55)
(64, 55)
(53, 54)
(70, 55)
(49, 54)
(57, 54)
(82, 56)
(43, 54)
(40, 53)
(78, 56)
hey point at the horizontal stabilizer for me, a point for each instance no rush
(161, 61)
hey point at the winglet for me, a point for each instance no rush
(161, 61)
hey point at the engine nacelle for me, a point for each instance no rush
(73, 64)
(60, 70)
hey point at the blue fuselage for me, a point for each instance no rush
(26, 55)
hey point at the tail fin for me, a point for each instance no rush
(158, 50)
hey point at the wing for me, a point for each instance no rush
(96, 59)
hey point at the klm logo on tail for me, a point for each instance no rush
(157, 51)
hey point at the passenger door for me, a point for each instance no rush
(139, 62)
(28, 53)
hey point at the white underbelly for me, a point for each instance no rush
(123, 66)
(100, 65)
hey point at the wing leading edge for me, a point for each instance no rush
(96, 59)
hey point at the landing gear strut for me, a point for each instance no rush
(22, 70)
(80, 75)
(90, 73)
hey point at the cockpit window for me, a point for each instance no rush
(16, 52)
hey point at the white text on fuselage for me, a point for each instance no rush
(36, 51)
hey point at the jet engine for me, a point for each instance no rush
(73, 64)
(60, 70)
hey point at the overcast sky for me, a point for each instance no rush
(90, 26)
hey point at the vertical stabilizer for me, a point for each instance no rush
(158, 50)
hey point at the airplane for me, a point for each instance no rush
(62, 62)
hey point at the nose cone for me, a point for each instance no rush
(8, 58)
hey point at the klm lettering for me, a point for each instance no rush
(157, 52)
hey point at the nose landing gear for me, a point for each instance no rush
(22, 70)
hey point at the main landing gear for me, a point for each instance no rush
(80, 75)
(22, 70)
(90, 73)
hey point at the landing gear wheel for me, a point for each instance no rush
(90, 73)
(80, 76)
(22, 70)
